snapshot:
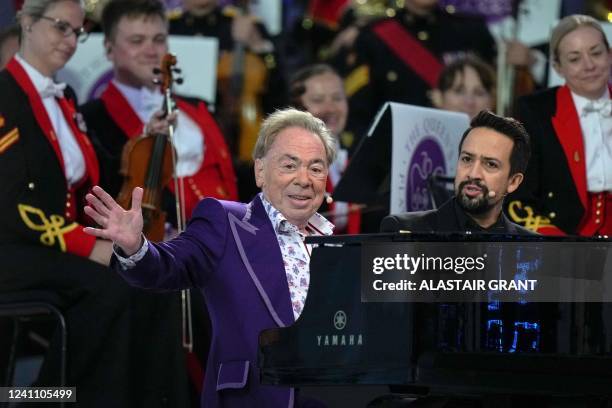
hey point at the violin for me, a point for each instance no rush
(149, 161)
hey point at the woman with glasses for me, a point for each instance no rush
(47, 165)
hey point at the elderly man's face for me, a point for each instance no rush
(293, 173)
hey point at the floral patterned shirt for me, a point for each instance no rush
(296, 254)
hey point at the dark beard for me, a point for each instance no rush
(474, 206)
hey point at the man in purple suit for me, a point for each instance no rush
(249, 260)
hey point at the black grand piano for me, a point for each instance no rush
(559, 349)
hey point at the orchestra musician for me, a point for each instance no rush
(47, 165)
(568, 183)
(399, 59)
(250, 78)
(465, 85)
(249, 260)
(136, 34)
(319, 90)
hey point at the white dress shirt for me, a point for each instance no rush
(596, 124)
(188, 139)
(74, 161)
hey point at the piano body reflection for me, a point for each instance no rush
(562, 349)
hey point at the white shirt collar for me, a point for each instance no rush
(144, 101)
(39, 81)
(580, 101)
(317, 224)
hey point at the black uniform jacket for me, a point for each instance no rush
(375, 74)
(553, 196)
(36, 204)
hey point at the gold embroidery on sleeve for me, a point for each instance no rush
(526, 216)
(53, 227)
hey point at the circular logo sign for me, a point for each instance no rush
(426, 160)
(340, 320)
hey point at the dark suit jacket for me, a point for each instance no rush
(443, 219)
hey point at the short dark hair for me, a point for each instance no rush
(115, 10)
(485, 72)
(521, 150)
(296, 83)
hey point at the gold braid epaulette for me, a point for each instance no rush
(52, 228)
(529, 220)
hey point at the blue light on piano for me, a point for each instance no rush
(526, 337)
(495, 335)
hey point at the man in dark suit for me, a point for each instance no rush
(493, 154)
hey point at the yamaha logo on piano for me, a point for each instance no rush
(340, 320)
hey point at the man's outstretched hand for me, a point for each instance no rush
(123, 227)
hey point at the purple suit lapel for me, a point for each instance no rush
(259, 251)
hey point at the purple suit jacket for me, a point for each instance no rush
(229, 251)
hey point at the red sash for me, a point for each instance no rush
(409, 50)
(121, 111)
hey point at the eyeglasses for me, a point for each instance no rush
(66, 29)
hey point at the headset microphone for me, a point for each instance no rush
(328, 198)
(492, 194)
